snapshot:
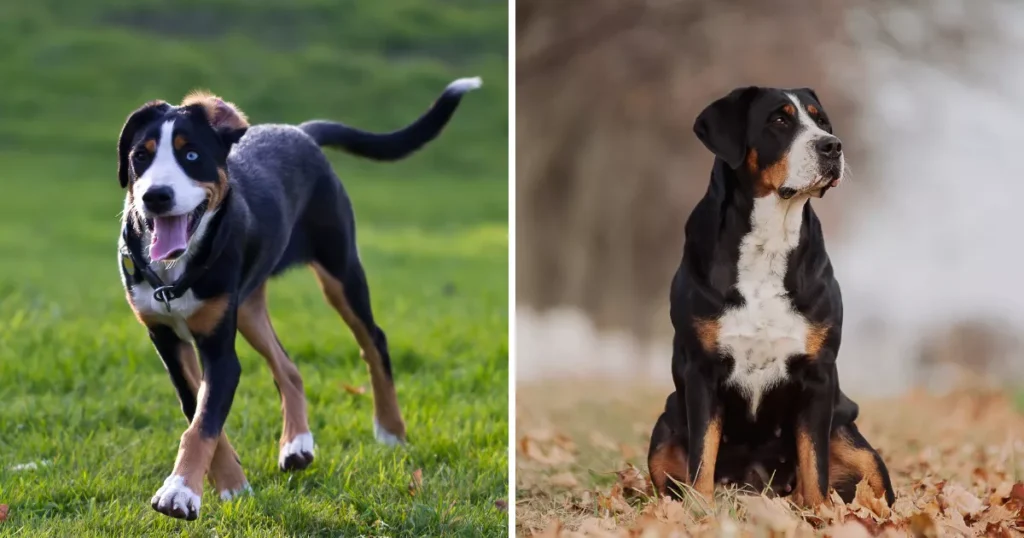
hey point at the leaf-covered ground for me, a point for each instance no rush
(957, 464)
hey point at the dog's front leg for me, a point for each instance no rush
(182, 491)
(813, 428)
(704, 428)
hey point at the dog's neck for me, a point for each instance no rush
(775, 219)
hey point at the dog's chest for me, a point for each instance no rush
(766, 330)
(172, 314)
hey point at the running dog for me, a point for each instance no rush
(214, 209)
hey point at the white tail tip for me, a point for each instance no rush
(464, 85)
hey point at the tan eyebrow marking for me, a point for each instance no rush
(812, 109)
(789, 109)
(150, 145)
(179, 142)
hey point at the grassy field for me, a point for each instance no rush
(82, 390)
(957, 464)
(84, 397)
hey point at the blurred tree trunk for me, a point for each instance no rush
(607, 165)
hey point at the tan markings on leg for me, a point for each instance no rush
(815, 338)
(179, 142)
(204, 320)
(226, 472)
(705, 481)
(219, 112)
(707, 333)
(254, 324)
(668, 463)
(807, 468)
(195, 454)
(385, 401)
(846, 461)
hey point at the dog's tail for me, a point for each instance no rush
(398, 144)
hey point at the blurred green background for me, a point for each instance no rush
(82, 393)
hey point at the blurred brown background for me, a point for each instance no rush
(607, 171)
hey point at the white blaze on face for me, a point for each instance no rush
(804, 165)
(165, 171)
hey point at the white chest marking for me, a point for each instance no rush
(169, 272)
(763, 333)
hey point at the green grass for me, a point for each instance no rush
(80, 386)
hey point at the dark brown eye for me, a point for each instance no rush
(141, 156)
(780, 120)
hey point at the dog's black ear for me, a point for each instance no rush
(145, 114)
(722, 126)
(231, 136)
(811, 92)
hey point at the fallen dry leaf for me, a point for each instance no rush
(634, 483)
(355, 391)
(923, 526)
(965, 502)
(501, 504)
(417, 482)
(3, 512)
(865, 497)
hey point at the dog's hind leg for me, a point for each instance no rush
(296, 445)
(344, 284)
(667, 460)
(851, 460)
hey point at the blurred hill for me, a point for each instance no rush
(72, 71)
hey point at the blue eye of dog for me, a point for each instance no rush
(192, 156)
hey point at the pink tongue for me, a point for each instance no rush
(170, 235)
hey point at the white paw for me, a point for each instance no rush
(296, 454)
(384, 436)
(175, 499)
(229, 494)
(464, 85)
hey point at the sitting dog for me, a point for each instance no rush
(214, 209)
(758, 315)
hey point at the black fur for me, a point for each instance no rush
(753, 451)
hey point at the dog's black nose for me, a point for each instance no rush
(158, 199)
(829, 147)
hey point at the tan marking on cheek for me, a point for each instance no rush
(204, 320)
(668, 464)
(772, 177)
(705, 481)
(752, 162)
(815, 339)
(385, 401)
(807, 468)
(215, 192)
(150, 145)
(707, 334)
(812, 109)
(789, 109)
(179, 142)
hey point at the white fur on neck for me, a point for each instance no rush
(763, 333)
(169, 272)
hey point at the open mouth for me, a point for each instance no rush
(171, 233)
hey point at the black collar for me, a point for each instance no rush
(137, 267)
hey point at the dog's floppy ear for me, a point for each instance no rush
(231, 136)
(145, 114)
(722, 126)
